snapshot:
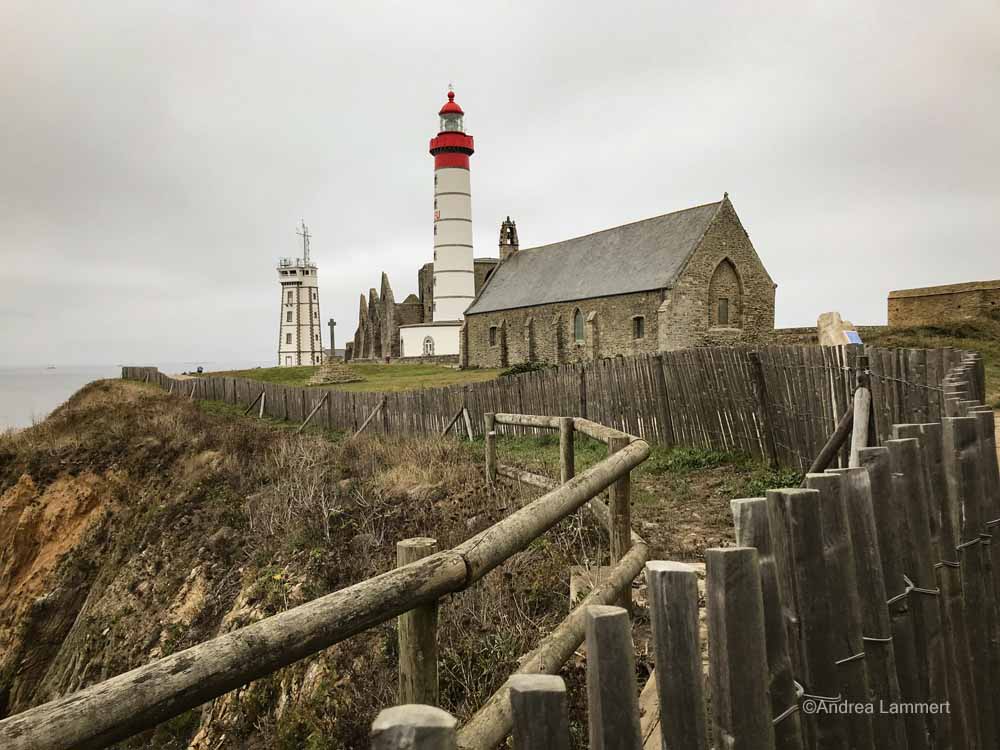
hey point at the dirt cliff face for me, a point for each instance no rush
(134, 524)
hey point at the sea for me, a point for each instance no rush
(29, 394)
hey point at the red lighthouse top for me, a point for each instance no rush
(451, 107)
(452, 147)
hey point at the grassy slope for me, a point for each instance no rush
(217, 520)
(982, 336)
(681, 495)
(377, 377)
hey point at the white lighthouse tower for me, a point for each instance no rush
(454, 271)
(299, 334)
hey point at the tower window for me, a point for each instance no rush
(288, 338)
(493, 335)
(290, 296)
(578, 327)
(288, 316)
(428, 346)
(723, 311)
(638, 327)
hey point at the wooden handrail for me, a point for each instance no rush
(137, 700)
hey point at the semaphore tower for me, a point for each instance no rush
(454, 268)
(299, 335)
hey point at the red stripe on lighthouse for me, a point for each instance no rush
(451, 159)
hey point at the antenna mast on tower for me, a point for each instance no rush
(304, 234)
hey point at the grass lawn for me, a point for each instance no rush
(982, 336)
(377, 377)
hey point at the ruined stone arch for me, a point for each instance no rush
(725, 296)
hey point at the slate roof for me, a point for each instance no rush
(635, 257)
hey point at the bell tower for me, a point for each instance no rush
(508, 239)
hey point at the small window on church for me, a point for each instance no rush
(290, 296)
(288, 338)
(493, 335)
(288, 316)
(723, 311)
(578, 327)
(428, 346)
(638, 327)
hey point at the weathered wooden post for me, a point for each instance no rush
(753, 529)
(413, 727)
(891, 529)
(538, 709)
(737, 652)
(989, 514)
(418, 662)
(620, 506)
(797, 535)
(567, 466)
(889, 731)
(612, 703)
(911, 496)
(860, 437)
(673, 608)
(962, 472)
(845, 605)
(944, 526)
(491, 457)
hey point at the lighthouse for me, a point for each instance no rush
(299, 341)
(454, 275)
(454, 284)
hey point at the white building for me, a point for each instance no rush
(300, 339)
(454, 270)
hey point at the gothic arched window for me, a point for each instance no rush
(725, 297)
(428, 346)
(578, 327)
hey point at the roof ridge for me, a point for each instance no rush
(621, 226)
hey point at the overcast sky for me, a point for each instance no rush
(156, 158)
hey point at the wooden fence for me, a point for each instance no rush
(860, 611)
(778, 403)
(127, 704)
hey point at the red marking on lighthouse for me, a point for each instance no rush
(451, 147)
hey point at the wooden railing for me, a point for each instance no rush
(861, 611)
(137, 700)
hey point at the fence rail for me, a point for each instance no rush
(860, 611)
(778, 403)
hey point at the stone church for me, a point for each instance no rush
(688, 278)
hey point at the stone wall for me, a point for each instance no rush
(809, 336)
(547, 331)
(928, 305)
(689, 313)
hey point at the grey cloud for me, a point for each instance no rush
(157, 157)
